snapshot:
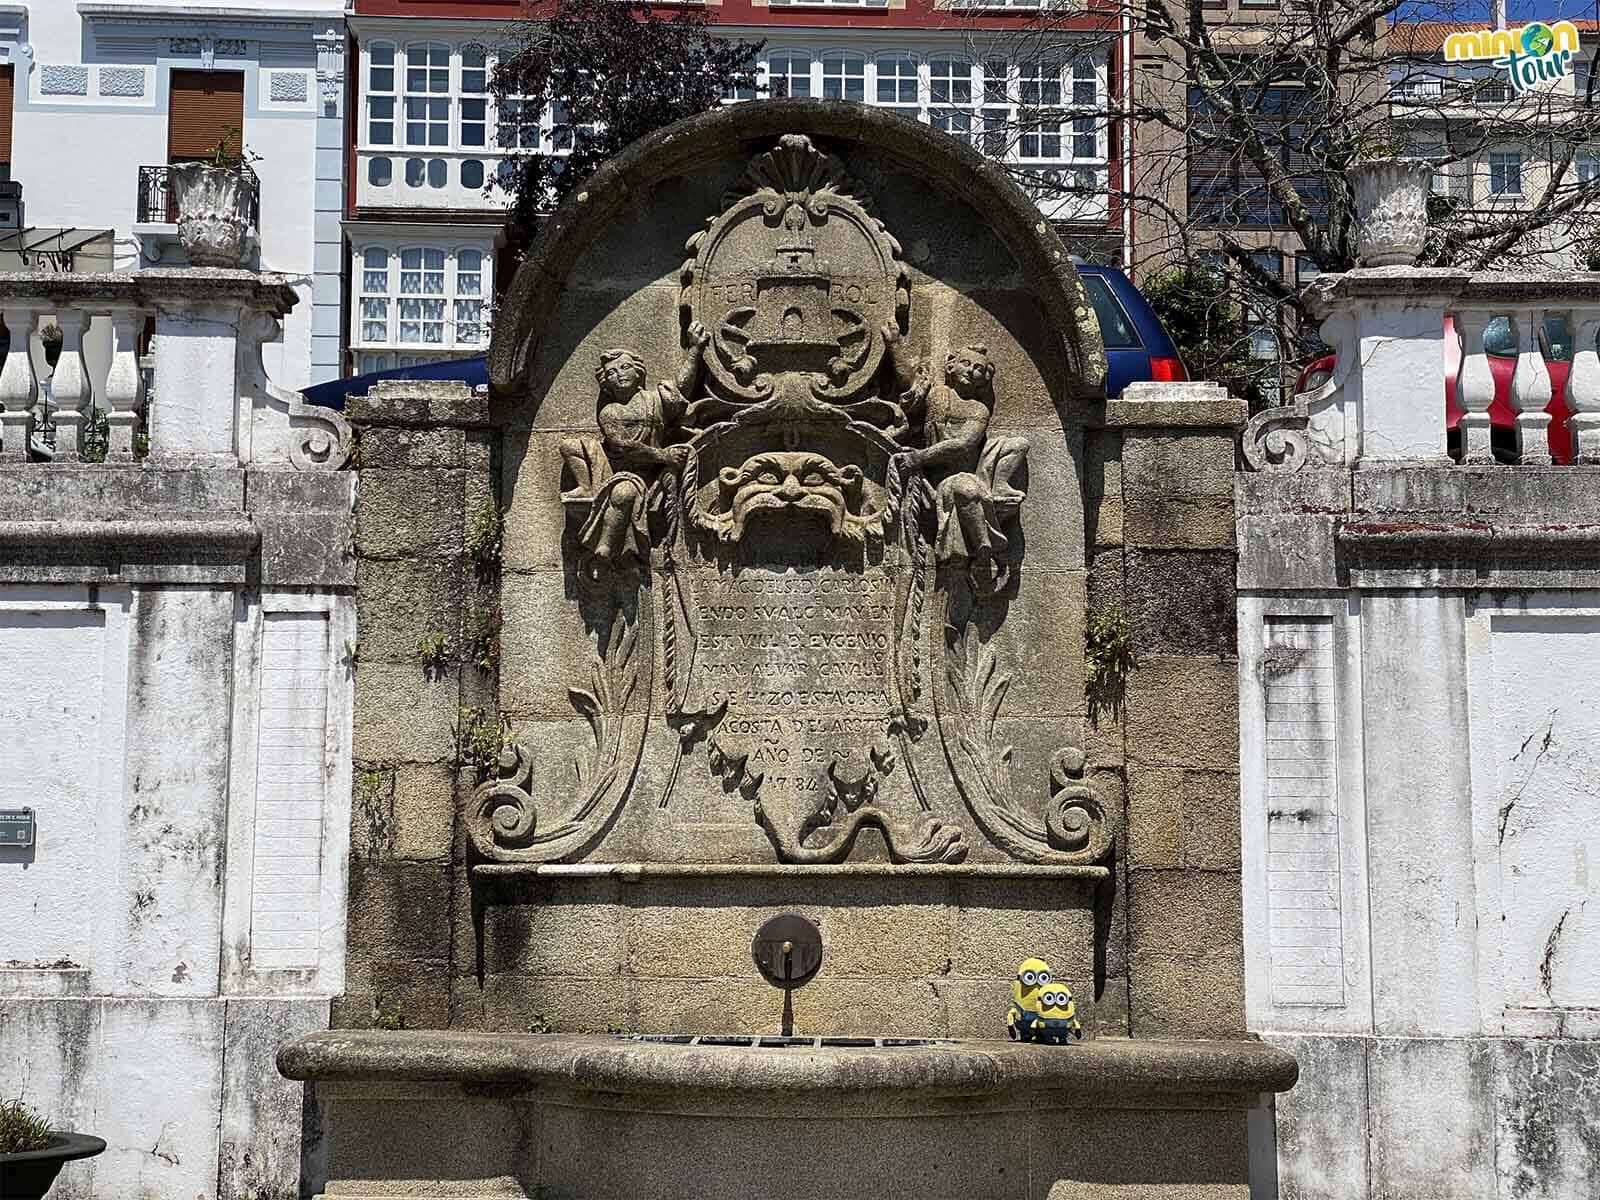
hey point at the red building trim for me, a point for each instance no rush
(917, 14)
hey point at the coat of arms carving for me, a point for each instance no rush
(799, 546)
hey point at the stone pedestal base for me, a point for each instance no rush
(472, 1115)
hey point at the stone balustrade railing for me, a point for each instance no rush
(1385, 403)
(213, 404)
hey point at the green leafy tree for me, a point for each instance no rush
(610, 72)
(1199, 309)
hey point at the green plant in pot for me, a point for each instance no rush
(32, 1154)
(213, 199)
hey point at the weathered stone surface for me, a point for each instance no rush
(424, 810)
(1210, 832)
(410, 513)
(1156, 818)
(1182, 602)
(1178, 522)
(1184, 911)
(402, 603)
(1176, 464)
(1185, 995)
(403, 446)
(1322, 1117)
(1445, 1148)
(1183, 711)
(404, 713)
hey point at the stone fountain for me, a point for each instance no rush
(798, 426)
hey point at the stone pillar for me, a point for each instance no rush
(1397, 380)
(1185, 936)
(427, 537)
(199, 407)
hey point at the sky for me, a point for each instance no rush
(1517, 11)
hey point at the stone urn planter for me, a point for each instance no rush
(27, 1175)
(1391, 198)
(213, 205)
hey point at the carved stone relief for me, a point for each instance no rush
(796, 555)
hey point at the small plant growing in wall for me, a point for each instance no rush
(482, 650)
(1107, 655)
(434, 652)
(485, 538)
(480, 738)
(538, 1021)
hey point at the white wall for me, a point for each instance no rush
(189, 771)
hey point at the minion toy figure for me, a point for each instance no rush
(1058, 1016)
(1024, 1017)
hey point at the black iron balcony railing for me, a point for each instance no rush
(157, 205)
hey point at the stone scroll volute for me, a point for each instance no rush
(795, 550)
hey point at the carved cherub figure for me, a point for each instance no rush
(973, 473)
(620, 472)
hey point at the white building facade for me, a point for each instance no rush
(106, 93)
(424, 221)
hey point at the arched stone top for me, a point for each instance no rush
(947, 164)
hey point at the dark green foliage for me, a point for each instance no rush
(620, 71)
(1198, 308)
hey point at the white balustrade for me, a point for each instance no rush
(1386, 401)
(19, 390)
(70, 393)
(1530, 389)
(1583, 387)
(213, 403)
(1474, 388)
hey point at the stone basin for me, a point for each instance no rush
(462, 1114)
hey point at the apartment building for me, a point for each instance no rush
(423, 226)
(1498, 154)
(99, 97)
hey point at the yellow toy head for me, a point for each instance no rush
(1056, 1003)
(1033, 974)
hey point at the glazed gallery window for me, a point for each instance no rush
(427, 94)
(1505, 173)
(421, 296)
(1042, 111)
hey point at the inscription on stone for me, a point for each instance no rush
(801, 663)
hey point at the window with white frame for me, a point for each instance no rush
(474, 96)
(518, 124)
(427, 94)
(1505, 173)
(373, 303)
(1586, 163)
(950, 96)
(844, 77)
(897, 85)
(1039, 96)
(999, 96)
(380, 94)
(832, 3)
(789, 75)
(421, 297)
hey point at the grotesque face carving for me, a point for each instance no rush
(969, 371)
(799, 480)
(620, 373)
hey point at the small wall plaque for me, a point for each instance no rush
(16, 827)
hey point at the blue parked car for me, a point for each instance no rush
(474, 372)
(1137, 348)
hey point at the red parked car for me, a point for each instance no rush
(1555, 344)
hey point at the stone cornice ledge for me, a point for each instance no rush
(1451, 287)
(207, 550)
(636, 872)
(1101, 1068)
(121, 10)
(171, 286)
(1469, 553)
(1188, 405)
